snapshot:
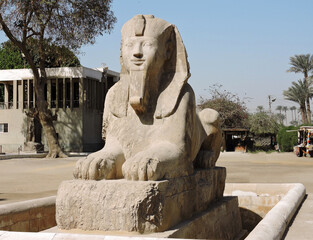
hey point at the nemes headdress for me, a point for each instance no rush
(175, 74)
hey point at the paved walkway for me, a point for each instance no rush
(28, 178)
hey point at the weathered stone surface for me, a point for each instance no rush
(143, 206)
(220, 221)
(150, 123)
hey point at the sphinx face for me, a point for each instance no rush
(143, 59)
(142, 54)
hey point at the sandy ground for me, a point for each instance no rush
(23, 179)
(28, 178)
(268, 168)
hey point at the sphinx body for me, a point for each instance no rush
(150, 123)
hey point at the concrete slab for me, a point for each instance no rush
(26, 236)
(303, 224)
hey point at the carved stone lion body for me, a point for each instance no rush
(150, 123)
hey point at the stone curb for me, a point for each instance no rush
(276, 221)
(26, 205)
(13, 156)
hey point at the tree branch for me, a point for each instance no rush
(21, 46)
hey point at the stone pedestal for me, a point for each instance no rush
(142, 206)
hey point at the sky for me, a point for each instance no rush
(243, 45)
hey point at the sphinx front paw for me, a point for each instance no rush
(142, 169)
(96, 166)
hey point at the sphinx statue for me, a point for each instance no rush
(157, 168)
(150, 124)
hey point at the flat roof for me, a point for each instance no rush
(61, 72)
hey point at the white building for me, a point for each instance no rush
(75, 94)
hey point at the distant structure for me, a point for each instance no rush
(75, 94)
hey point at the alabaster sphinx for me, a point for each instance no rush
(150, 124)
(153, 134)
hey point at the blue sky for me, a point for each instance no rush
(243, 45)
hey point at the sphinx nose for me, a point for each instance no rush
(138, 55)
(138, 51)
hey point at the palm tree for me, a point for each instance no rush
(285, 110)
(293, 112)
(260, 108)
(279, 108)
(280, 117)
(303, 64)
(298, 93)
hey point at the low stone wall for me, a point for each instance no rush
(28, 216)
(267, 209)
(260, 197)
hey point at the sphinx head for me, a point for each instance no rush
(147, 44)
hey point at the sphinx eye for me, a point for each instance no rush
(129, 44)
(147, 44)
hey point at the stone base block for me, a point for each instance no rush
(142, 206)
(220, 221)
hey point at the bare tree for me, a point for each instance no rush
(69, 23)
(232, 109)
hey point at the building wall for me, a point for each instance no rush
(69, 129)
(79, 113)
(17, 127)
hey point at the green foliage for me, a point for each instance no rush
(262, 123)
(298, 92)
(287, 140)
(63, 22)
(302, 63)
(10, 57)
(56, 56)
(232, 109)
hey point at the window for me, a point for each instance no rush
(4, 127)
(31, 94)
(75, 93)
(67, 93)
(53, 93)
(10, 92)
(60, 84)
(25, 94)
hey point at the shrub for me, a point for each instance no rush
(287, 139)
(262, 123)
